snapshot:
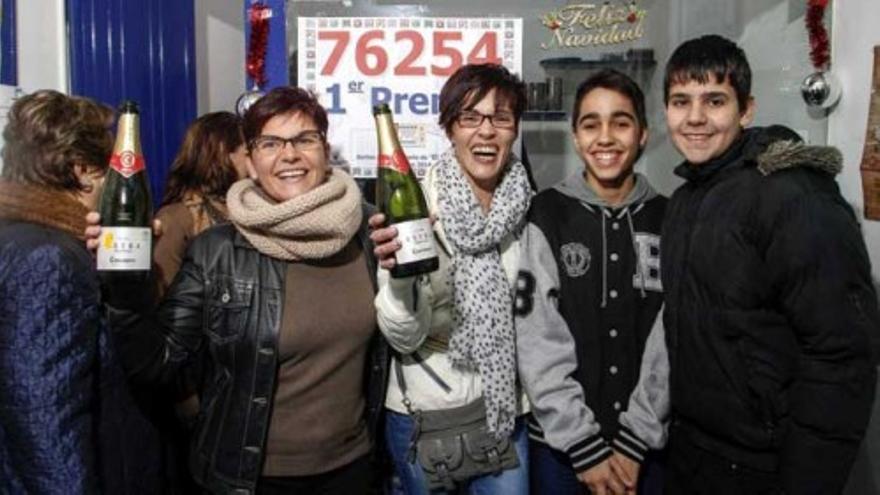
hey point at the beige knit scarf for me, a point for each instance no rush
(313, 225)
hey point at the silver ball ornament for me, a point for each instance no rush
(245, 101)
(821, 89)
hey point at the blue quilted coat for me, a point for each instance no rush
(68, 423)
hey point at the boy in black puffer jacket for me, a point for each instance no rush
(769, 302)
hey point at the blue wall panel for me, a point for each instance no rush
(144, 51)
(8, 51)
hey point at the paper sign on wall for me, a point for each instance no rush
(353, 63)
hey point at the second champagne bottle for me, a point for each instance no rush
(400, 198)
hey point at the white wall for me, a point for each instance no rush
(42, 45)
(854, 35)
(220, 54)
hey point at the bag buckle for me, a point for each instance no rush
(442, 471)
(493, 458)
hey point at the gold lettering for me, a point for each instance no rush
(579, 14)
(555, 40)
(586, 24)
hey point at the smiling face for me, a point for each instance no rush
(608, 138)
(288, 172)
(704, 120)
(483, 151)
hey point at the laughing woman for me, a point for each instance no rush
(453, 329)
(281, 300)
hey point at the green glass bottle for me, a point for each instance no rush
(400, 198)
(124, 252)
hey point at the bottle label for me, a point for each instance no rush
(417, 241)
(124, 248)
(127, 163)
(397, 161)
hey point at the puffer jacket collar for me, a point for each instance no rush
(770, 149)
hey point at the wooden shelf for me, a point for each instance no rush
(623, 65)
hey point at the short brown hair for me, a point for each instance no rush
(49, 133)
(708, 56)
(471, 83)
(202, 164)
(280, 101)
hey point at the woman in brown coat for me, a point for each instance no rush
(211, 158)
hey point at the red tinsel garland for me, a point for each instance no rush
(258, 17)
(820, 50)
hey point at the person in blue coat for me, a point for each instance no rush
(68, 422)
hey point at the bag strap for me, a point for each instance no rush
(401, 382)
(430, 371)
(414, 413)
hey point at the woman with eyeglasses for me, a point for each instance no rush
(453, 329)
(281, 301)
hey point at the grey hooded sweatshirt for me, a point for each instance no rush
(591, 348)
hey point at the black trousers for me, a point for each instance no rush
(692, 470)
(352, 479)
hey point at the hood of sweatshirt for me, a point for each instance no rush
(575, 186)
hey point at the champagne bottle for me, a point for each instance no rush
(400, 198)
(125, 206)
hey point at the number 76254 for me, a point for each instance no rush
(371, 54)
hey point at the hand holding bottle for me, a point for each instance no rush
(93, 230)
(384, 240)
(400, 199)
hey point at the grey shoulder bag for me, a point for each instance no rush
(453, 445)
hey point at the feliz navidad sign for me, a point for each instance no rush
(592, 24)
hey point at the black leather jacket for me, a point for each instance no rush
(226, 302)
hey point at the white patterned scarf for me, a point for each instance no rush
(482, 332)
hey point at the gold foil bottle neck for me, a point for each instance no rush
(128, 137)
(387, 134)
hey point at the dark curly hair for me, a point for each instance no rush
(49, 134)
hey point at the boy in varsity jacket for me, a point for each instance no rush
(591, 358)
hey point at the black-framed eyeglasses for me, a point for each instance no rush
(470, 119)
(269, 145)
